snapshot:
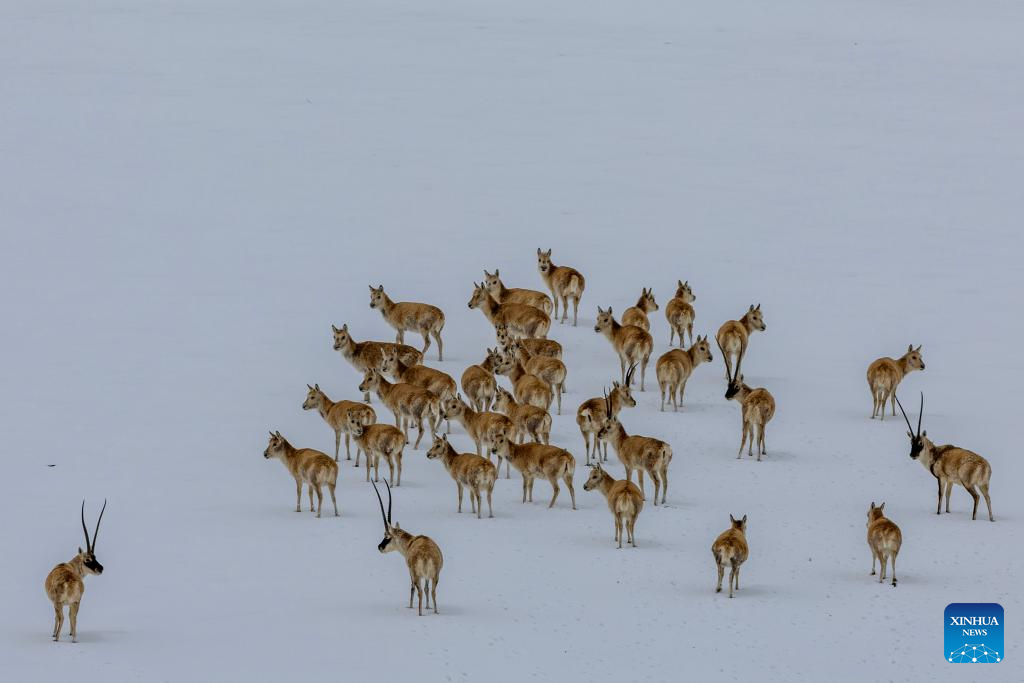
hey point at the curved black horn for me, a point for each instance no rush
(88, 544)
(920, 415)
(96, 531)
(607, 404)
(389, 499)
(909, 426)
(381, 501)
(629, 374)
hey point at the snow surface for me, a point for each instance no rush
(192, 192)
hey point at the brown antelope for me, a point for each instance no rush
(482, 427)
(538, 460)
(479, 383)
(407, 316)
(734, 335)
(520, 320)
(730, 548)
(884, 539)
(885, 375)
(335, 414)
(633, 344)
(307, 466)
(680, 313)
(470, 471)
(564, 283)
(591, 414)
(535, 345)
(675, 367)
(422, 556)
(950, 465)
(624, 500)
(409, 403)
(526, 419)
(551, 370)
(380, 442)
(436, 382)
(758, 408)
(370, 354)
(65, 584)
(637, 315)
(504, 295)
(640, 453)
(527, 388)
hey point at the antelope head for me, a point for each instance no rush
(684, 292)
(341, 337)
(755, 318)
(605, 320)
(740, 524)
(386, 545)
(314, 398)
(703, 350)
(919, 439)
(89, 561)
(594, 480)
(377, 296)
(543, 260)
(913, 357)
(480, 296)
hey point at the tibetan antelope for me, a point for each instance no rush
(730, 549)
(469, 471)
(307, 466)
(479, 383)
(633, 344)
(526, 419)
(422, 556)
(884, 539)
(637, 315)
(675, 367)
(65, 584)
(640, 453)
(551, 370)
(535, 345)
(590, 416)
(564, 283)
(483, 427)
(369, 354)
(521, 320)
(535, 460)
(409, 403)
(407, 316)
(734, 335)
(380, 442)
(526, 387)
(504, 295)
(757, 409)
(885, 375)
(950, 465)
(436, 382)
(624, 500)
(335, 414)
(680, 314)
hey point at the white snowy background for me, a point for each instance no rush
(192, 192)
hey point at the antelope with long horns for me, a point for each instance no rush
(564, 283)
(591, 414)
(535, 345)
(469, 471)
(632, 344)
(884, 539)
(734, 335)
(637, 315)
(526, 387)
(479, 383)
(65, 584)
(410, 404)
(624, 500)
(730, 550)
(504, 295)
(526, 419)
(885, 375)
(535, 460)
(380, 442)
(422, 556)
(307, 466)
(675, 367)
(551, 370)
(483, 427)
(757, 409)
(521, 320)
(408, 316)
(680, 314)
(335, 414)
(369, 355)
(640, 453)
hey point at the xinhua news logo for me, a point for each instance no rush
(974, 633)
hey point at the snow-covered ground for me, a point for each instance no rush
(192, 192)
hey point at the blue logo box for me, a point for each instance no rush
(974, 633)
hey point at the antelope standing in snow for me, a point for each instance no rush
(884, 539)
(526, 419)
(424, 319)
(950, 465)
(551, 370)
(535, 460)
(734, 335)
(637, 315)
(521, 320)
(680, 313)
(527, 388)
(757, 409)
(481, 426)
(422, 556)
(633, 344)
(640, 453)
(436, 382)
(590, 416)
(885, 375)
(730, 549)
(335, 414)
(624, 500)
(307, 466)
(565, 283)
(410, 404)
(504, 295)
(469, 471)
(65, 584)
(479, 383)
(675, 367)
(380, 442)
(535, 345)
(369, 355)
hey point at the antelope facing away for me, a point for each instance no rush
(535, 345)
(307, 466)
(526, 387)
(632, 344)
(624, 500)
(479, 383)
(950, 465)
(409, 403)
(370, 354)
(680, 313)
(481, 426)
(535, 460)
(520, 320)
(436, 382)
(640, 453)
(564, 283)
(734, 335)
(407, 316)
(422, 556)
(885, 375)
(470, 471)
(675, 367)
(504, 295)
(758, 408)
(335, 414)
(637, 315)
(526, 419)
(884, 539)
(551, 370)
(65, 584)
(730, 549)
(591, 414)
(380, 442)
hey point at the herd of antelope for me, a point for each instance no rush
(513, 425)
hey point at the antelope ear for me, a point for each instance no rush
(751, 307)
(910, 347)
(744, 520)
(317, 387)
(872, 505)
(79, 550)
(758, 307)
(686, 284)
(731, 518)
(538, 251)
(679, 283)
(924, 433)
(918, 348)
(308, 387)
(444, 437)
(372, 288)
(882, 506)
(911, 435)
(278, 434)
(272, 433)
(496, 272)
(345, 327)
(334, 329)
(609, 310)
